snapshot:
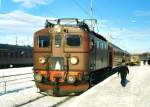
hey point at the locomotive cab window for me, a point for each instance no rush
(43, 41)
(73, 40)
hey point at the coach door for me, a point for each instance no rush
(111, 56)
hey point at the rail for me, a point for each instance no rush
(5, 83)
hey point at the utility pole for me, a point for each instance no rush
(91, 13)
(16, 40)
(27, 40)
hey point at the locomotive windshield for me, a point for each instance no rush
(73, 40)
(43, 41)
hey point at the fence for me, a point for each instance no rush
(6, 81)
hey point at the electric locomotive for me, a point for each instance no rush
(69, 57)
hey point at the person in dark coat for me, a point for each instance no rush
(123, 71)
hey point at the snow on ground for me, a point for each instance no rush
(48, 101)
(13, 71)
(17, 98)
(110, 93)
(16, 87)
(15, 83)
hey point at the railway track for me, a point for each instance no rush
(49, 101)
(30, 101)
(61, 102)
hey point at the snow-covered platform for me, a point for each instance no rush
(110, 93)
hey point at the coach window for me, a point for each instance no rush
(22, 53)
(31, 54)
(101, 44)
(16, 54)
(5, 54)
(11, 54)
(73, 40)
(43, 41)
(1, 54)
(105, 45)
(97, 44)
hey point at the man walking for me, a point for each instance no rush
(123, 71)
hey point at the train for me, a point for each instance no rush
(15, 56)
(134, 60)
(69, 57)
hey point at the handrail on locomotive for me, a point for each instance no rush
(70, 22)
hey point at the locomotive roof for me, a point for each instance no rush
(118, 48)
(72, 22)
(98, 35)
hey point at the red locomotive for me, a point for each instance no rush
(69, 57)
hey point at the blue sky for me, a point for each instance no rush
(126, 23)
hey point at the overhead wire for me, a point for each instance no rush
(97, 27)
(79, 6)
(85, 11)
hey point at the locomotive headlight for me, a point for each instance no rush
(71, 79)
(57, 28)
(38, 77)
(42, 60)
(74, 60)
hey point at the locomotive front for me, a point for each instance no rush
(61, 59)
